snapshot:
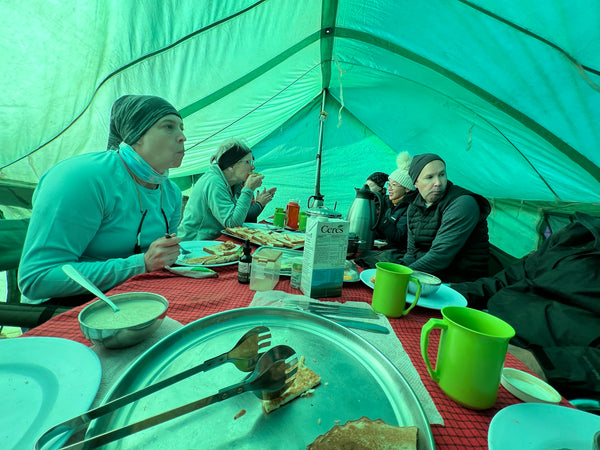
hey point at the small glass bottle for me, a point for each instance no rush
(296, 277)
(245, 264)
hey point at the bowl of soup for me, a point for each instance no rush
(429, 283)
(140, 314)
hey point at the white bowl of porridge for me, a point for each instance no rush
(140, 314)
(429, 283)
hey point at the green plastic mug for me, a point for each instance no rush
(470, 355)
(302, 221)
(391, 285)
(279, 219)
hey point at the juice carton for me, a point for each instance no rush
(325, 247)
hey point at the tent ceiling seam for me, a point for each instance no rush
(231, 87)
(256, 108)
(328, 21)
(541, 177)
(326, 35)
(582, 69)
(127, 66)
(527, 121)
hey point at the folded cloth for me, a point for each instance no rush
(388, 344)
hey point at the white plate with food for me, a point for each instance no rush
(340, 357)
(208, 253)
(542, 426)
(445, 295)
(43, 382)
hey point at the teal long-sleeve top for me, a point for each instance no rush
(86, 212)
(213, 207)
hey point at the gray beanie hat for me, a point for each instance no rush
(132, 115)
(400, 175)
(420, 161)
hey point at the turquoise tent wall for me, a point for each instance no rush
(506, 91)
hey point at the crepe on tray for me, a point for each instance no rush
(266, 237)
(304, 381)
(365, 433)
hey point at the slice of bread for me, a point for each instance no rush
(304, 381)
(266, 237)
(211, 259)
(365, 433)
(223, 248)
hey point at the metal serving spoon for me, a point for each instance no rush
(273, 374)
(82, 280)
(245, 354)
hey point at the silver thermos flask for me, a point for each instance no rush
(362, 218)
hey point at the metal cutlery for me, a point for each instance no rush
(332, 309)
(244, 354)
(368, 326)
(273, 374)
(337, 313)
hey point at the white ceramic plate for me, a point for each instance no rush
(542, 426)
(197, 249)
(43, 382)
(445, 296)
(527, 387)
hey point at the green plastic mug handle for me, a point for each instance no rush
(417, 295)
(427, 328)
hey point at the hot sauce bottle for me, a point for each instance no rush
(245, 264)
(292, 211)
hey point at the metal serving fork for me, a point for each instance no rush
(273, 374)
(244, 354)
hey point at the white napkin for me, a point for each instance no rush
(388, 344)
(115, 361)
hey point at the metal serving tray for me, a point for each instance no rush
(357, 380)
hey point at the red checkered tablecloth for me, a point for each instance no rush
(191, 299)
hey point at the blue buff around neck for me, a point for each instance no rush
(140, 167)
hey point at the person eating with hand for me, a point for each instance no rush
(109, 214)
(224, 196)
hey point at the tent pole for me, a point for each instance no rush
(317, 199)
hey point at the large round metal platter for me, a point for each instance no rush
(357, 381)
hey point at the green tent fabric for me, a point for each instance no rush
(506, 91)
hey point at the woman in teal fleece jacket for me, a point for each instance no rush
(107, 213)
(216, 202)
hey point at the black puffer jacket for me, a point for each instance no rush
(471, 262)
(552, 299)
(393, 227)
